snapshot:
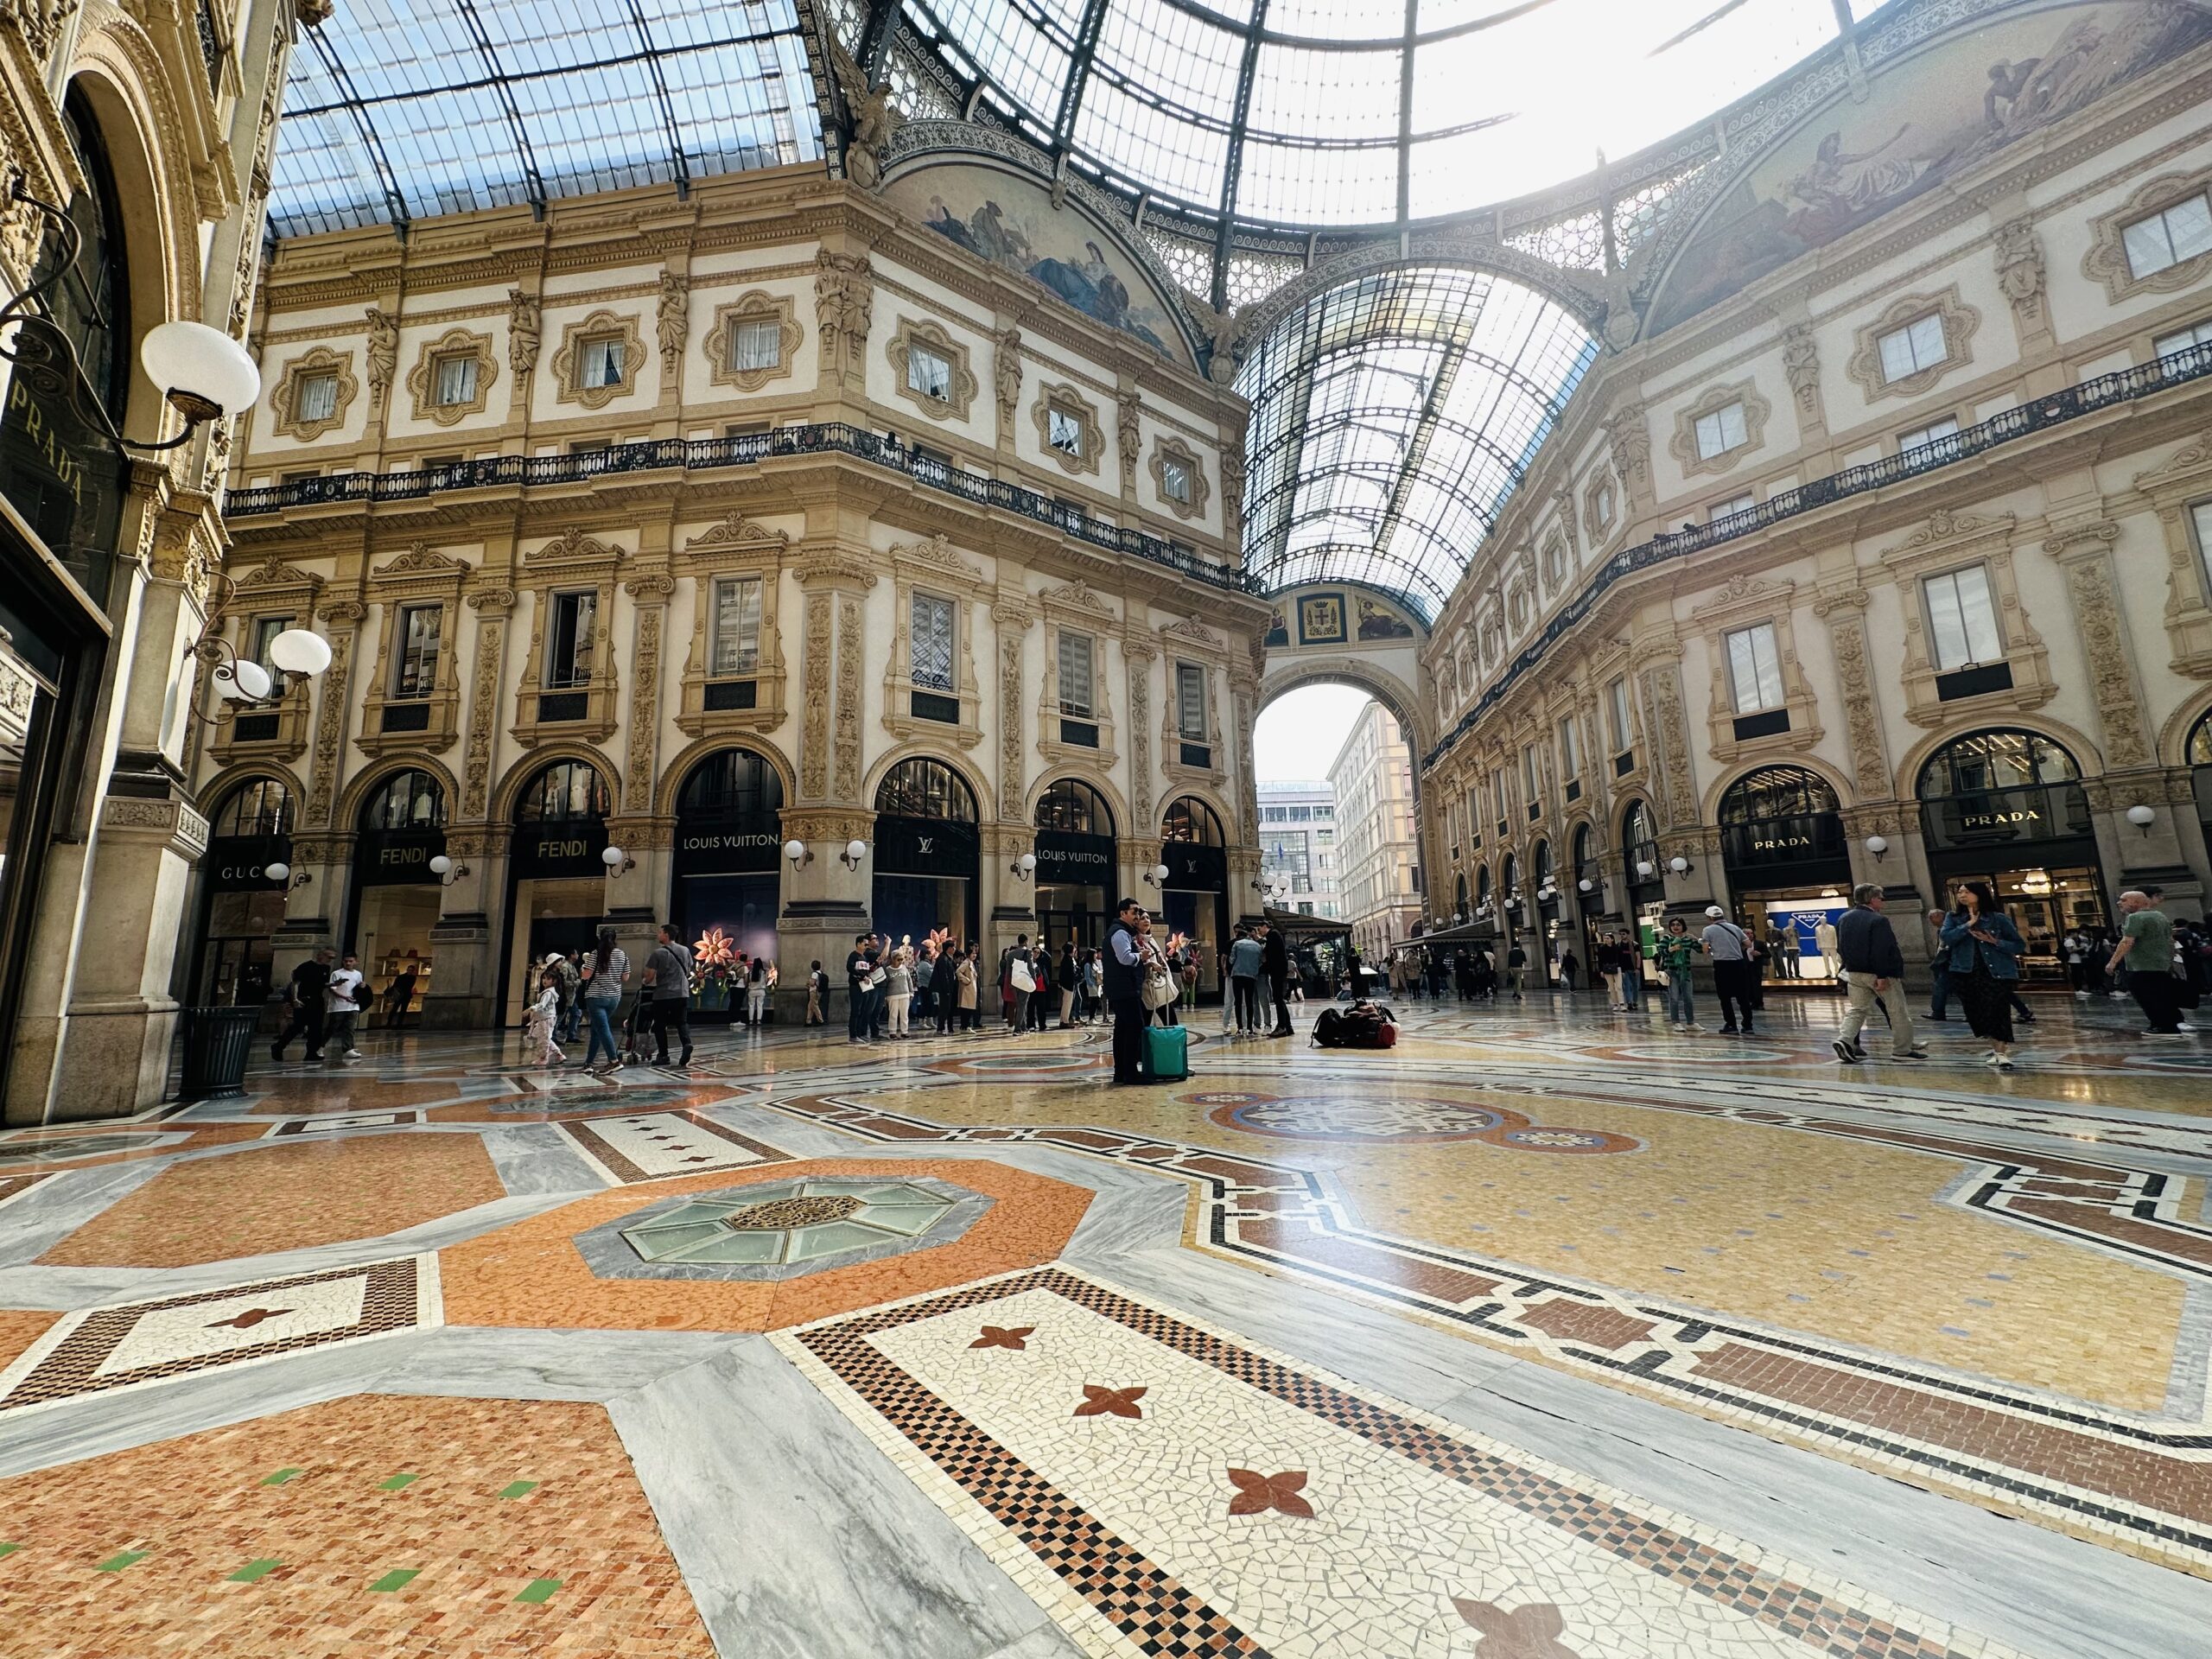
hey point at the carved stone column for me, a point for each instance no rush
(2018, 253)
(334, 712)
(2084, 556)
(1844, 612)
(1140, 653)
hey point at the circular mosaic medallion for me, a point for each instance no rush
(793, 1212)
(1353, 1117)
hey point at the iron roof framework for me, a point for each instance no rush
(1391, 418)
(408, 109)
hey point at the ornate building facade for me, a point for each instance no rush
(1875, 542)
(149, 132)
(664, 533)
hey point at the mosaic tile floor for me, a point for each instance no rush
(1548, 1335)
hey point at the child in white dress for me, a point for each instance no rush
(538, 1032)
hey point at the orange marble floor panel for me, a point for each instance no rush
(19, 1328)
(284, 1197)
(357, 1091)
(529, 1274)
(302, 1504)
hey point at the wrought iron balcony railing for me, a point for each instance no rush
(836, 437)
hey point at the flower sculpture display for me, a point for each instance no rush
(1177, 942)
(716, 948)
(939, 939)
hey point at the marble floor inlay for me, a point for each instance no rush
(1548, 1334)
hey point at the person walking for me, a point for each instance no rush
(344, 995)
(568, 982)
(1867, 946)
(1275, 963)
(1939, 970)
(605, 972)
(1568, 968)
(1067, 978)
(1121, 974)
(1093, 994)
(538, 1036)
(2146, 950)
(1729, 948)
(1631, 961)
(1040, 975)
(861, 976)
(964, 980)
(1674, 952)
(756, 993)
(308, 994)
(1986, 950)
(669, 971)
(399, 997)
(1016, 982)
(1245, 955)
(1516, 968)
(818, 993)
(897, 990)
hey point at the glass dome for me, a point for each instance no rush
(1336, 113)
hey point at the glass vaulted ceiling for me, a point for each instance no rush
(1391, 418)
(399, 110)
(1313, 113)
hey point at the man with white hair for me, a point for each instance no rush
(1729, 950)
(1868, 946)
(2146, 945)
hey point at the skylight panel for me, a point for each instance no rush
(1011, 44)
(1151, 147)
(1338, 20)
(1172, 54)
(1301, 92)
(1323, 187)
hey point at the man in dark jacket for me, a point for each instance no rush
(308, 995)
(1274, 962)
(1123, 980)
(1867, 946)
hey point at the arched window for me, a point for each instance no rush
(406, 800)
(90, 305)
(1776, 792)
(260, 806)
(2198, 754)
(564, 792)
(1482, 887)
(1542, 861)
(923, 788)
(1635, 826)
(1581, 844)
(1509, 876)
(1191, 820)
(732, 784)
(1459, 895)
(1071, 805)
(1982, 761)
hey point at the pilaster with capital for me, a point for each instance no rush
(649, 597)
(340, 618)
(1844, 612)
(1012, 619)
(491, 607)
(1140, 656)
(2084, 555)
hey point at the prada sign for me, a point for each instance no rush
(1808, 845)
(2034, 813)
(1972, 821)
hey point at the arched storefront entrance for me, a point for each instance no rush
(1789, 866)
(928, 853)
(2198, 754)
(240, 908)
(726, 890)
(1512, 907)
(1074, 865)
(1643, 881)
(556, 884)
(394, 899)
(2007, 807)
(1545, 953)
(1194, 899)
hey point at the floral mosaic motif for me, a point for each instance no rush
(1257, 1494)
(1109, 1403)
(1530, 1632)
(1348, 1118)
(790, 1222)
(996, 1336)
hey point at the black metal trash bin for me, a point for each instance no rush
(216, 1044)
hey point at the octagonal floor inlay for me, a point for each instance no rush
(794, 1222)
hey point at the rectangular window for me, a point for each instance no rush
(928, 372)
(1570, 761)
(1191, 702)
(2181, 340)
(2200, 517)
(1175, 480)
(1721, 431)
(1603, 500)
(599, 361)
(932, 646)
(420, 627)
(1065, 432)
(1755, 669)
(736, 644)
(1919, 345)
(456, 380)
(1733, 506)
(1944, 432)
(756, 343)
(1962, 620)
(2169, 236)
(316, 399)
(1616, 719)
(265, 629)
(1075, 674)
(569, 651)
